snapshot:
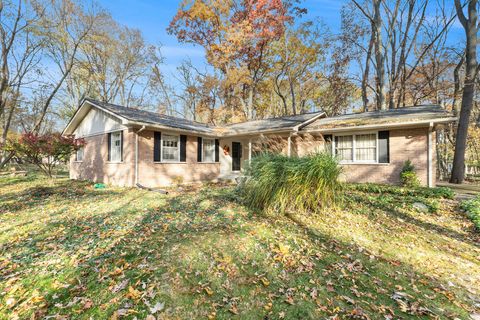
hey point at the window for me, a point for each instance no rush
(116, 146)
(356, 148)
(170, 148)
(79, 154)
(208, 150)
(344, 148)
(366, 147)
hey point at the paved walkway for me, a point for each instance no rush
(464, 191)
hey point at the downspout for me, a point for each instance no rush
(430, 155)
(136, 153)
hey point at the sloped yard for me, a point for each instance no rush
(68, 251)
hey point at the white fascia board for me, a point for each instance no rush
(307, 122)
(411, 124)
(167, 128)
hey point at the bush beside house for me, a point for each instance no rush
(282, 183)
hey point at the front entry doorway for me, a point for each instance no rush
(236, 156)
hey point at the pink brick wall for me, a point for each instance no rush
(404, 144)
(153, 174)
(95, 165)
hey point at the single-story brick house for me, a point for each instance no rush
(126, 146)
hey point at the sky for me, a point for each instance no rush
(153, 16)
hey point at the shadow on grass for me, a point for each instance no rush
(392, 210)
(134, 231)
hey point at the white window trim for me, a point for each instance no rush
(83, 154)
(161, 148)
(203, 150)
(121, 146)
(354, 139)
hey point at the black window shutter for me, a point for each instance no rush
(109, 141)
(199, 149)
(328, 143)
(121, 145)
(217, 150)
(157, 146)
(183, 148)
(384, 146)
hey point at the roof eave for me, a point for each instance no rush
(425, 123)
(149, 125)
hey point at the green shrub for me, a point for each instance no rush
(278, 182)
(408, 176)
(472, 207)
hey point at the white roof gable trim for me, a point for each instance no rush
(97, 121)
(88, 121)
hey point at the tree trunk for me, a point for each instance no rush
(470, 26)
(379, 56)
(366, 72)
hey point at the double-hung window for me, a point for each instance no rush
(170, 148)
(208, 150)
(344, 148)
(115, 146)
(356, 148)
(79, 154)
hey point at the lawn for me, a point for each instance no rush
(68, 251)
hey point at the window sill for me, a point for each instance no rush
(78, 161)
(114, 162)
(168, 162)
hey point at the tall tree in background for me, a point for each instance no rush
(20, 49)
(236, 36)
(471, 70)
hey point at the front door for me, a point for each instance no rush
(236, 155)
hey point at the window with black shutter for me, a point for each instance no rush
(157, 146)
(183, 148)
(384, 146)
(199, 149)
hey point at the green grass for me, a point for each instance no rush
(69, 250)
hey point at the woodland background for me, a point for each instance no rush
(264, 58)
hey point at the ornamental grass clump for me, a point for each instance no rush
(277, 183)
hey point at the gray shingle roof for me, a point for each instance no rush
(406, 114)
(143, 116)
(152, 117)
(285, 122)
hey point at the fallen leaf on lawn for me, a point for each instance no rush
(208, 291)
(133, 293)
(265, 281)
(233, 310)
(290, 301)
(157, 307)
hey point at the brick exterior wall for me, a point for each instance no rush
(95, 165)
(154, 174)
(404, 144)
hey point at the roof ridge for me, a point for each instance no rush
(273, 118)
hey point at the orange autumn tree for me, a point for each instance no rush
(235, 35)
